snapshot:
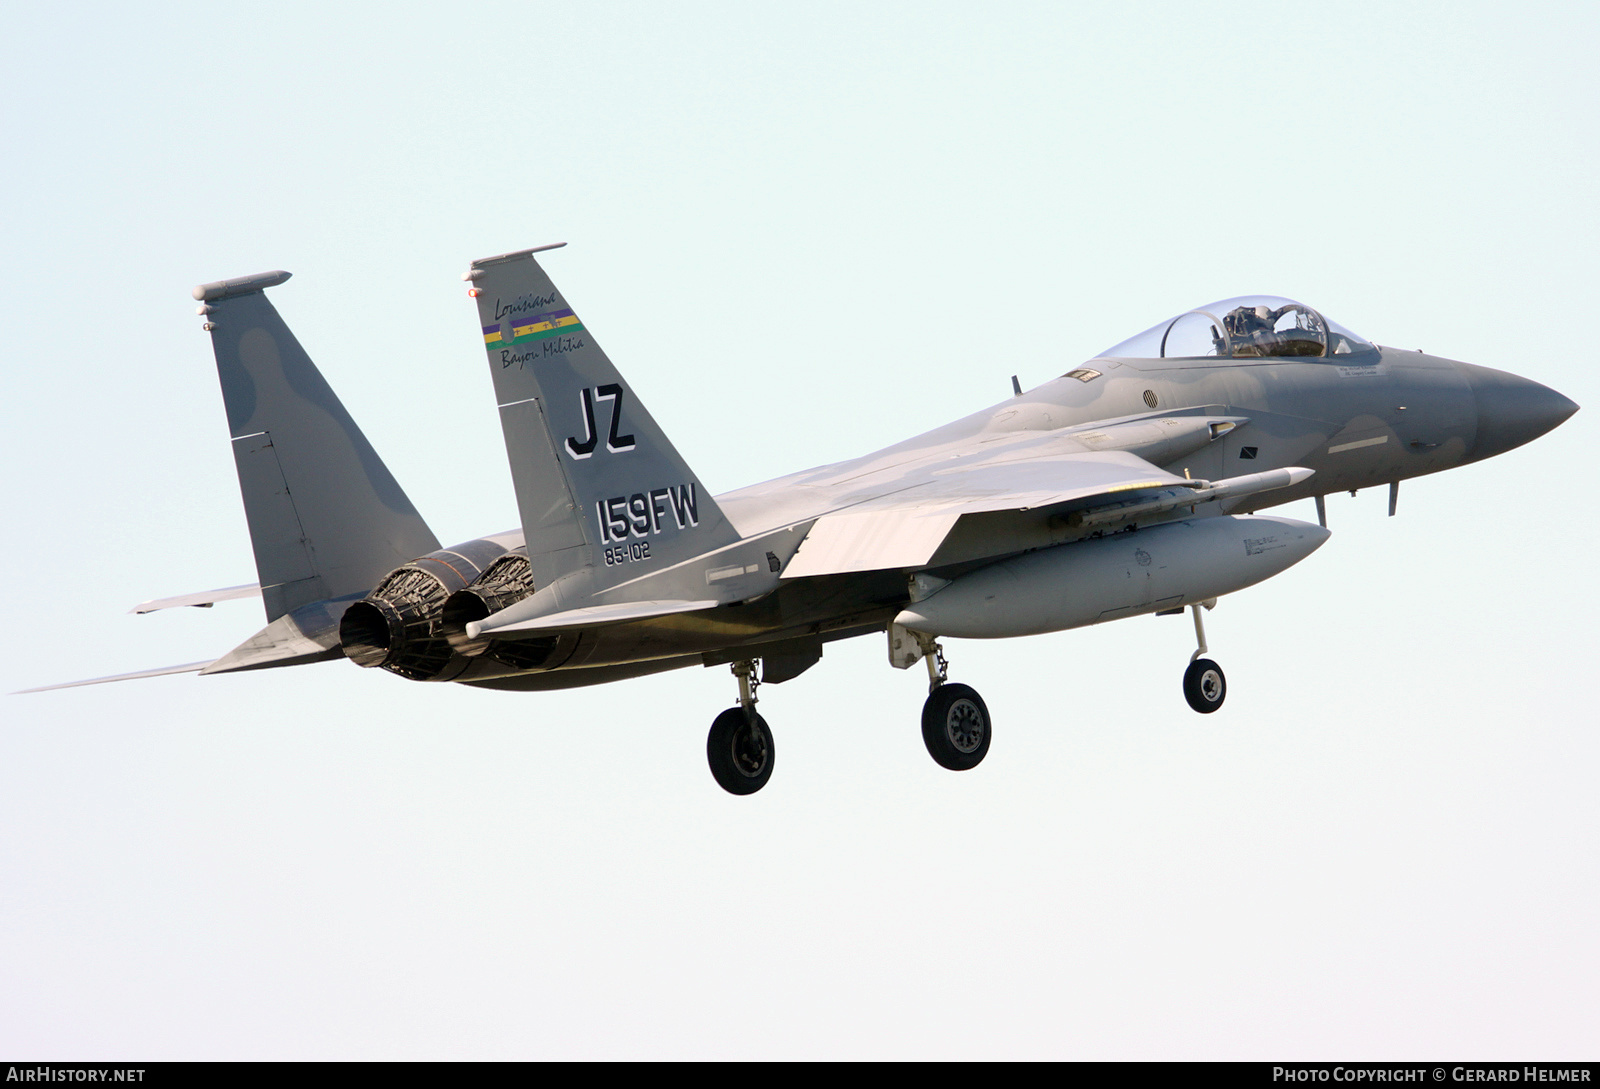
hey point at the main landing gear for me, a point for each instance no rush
(955, 722)
(739, 747)
(1204, 686)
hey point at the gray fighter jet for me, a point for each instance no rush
(1126, 486)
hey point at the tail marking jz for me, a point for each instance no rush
(615, 443)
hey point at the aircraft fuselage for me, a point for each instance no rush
(1358, 421)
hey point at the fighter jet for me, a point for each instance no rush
(1127, 486)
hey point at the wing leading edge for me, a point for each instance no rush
(907, 528)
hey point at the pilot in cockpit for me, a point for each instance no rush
(1243, 327)
(1252, 331)
(1249, 330)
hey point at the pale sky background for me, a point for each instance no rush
(802, 235)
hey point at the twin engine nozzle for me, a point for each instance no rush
(414, 623)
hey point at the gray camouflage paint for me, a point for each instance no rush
(612, 515)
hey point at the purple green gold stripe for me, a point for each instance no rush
(533, 327)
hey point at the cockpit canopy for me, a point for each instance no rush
(1247, 327)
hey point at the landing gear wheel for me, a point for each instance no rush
(955, 727)
(1204, 686)
(740, 753)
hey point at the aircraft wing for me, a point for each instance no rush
(904, 528)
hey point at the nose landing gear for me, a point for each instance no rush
(1204, 685)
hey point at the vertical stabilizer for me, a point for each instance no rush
(327, 518)
(598, 483)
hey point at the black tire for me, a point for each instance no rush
(740, 758)
(955, 727)
(1204, 686)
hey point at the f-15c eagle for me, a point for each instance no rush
(1127, 486)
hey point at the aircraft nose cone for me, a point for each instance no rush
(1511, 410)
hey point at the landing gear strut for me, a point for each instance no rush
(739, 747)
(1204, 686)
(955, 722)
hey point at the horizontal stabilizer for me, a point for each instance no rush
(591, 615)
(192, 667)
(309, 634)
(202, 600)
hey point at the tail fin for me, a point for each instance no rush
(598, 483)
(327, 518)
